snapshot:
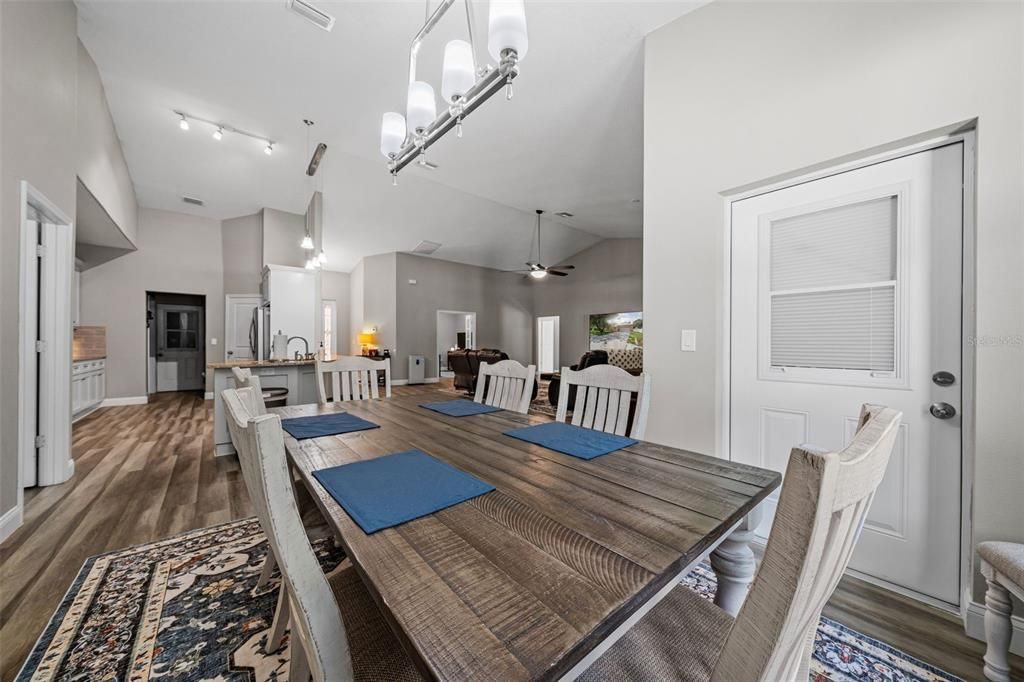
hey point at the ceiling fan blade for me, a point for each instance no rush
(556, 273)
(564, 267)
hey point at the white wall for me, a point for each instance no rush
(177, 253)
(38, 75)
(101, 164)
(736, 93)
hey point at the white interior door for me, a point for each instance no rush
(30, 455)
(847, 290)
(238, 326)
(547, 344)
(180, 348)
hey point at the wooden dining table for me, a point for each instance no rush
(535, 579)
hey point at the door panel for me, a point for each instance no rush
(847, 290)
(180, 348)
(238, 327)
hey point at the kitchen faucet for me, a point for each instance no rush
(298, 355)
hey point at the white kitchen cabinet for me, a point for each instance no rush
(88, 386)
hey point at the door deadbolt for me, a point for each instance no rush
(942, 410)
(943, 378)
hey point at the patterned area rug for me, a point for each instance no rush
(185, 608)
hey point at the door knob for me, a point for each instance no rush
(942, 410)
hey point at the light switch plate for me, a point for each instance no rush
(213, 342)
(688, 340)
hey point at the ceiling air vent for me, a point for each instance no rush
(193, 200)
(311, 13)
(426, 248)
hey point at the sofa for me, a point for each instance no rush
(631, 360)
(466, 365)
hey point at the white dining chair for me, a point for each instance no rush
(604, 394)
(244, 378)
(824, 500)
(337, 631)
(352, 378)
(506, 384)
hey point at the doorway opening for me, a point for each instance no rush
(176, 342)
(456, 329)
(547, 345)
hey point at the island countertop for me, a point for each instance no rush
(228, 364)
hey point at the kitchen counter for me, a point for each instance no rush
(228, 364)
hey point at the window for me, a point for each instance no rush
(832, 285)
(330, 312)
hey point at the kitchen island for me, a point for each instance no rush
(298, 376)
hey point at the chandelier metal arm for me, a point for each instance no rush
(493, 81)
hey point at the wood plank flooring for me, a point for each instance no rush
(147, 472)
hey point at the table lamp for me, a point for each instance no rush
(367, 339)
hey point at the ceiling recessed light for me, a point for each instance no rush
(564, 214)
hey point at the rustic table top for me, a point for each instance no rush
(522, 582)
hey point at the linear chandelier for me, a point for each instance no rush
(221, 128)
(464, 85)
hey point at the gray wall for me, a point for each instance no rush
(101, 165)
(38, 74)
(502, 303)
(242, 246)
(356, 285)
(736, 93)
(379, 302)
(608, 279)
(177, 253)
(282, 236)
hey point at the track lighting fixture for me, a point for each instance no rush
(220, 128)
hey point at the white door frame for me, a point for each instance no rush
(969, 326)
(557, 341)
(52, 467)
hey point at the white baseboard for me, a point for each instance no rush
(974, 625)
(10, 522)
(405, 382)
(208, 395)
(129, 400)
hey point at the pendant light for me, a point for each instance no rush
(392, 134)
(506, 29)
(459, 73)
(421, 108)
(307, 239)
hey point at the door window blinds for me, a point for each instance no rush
(832, 288)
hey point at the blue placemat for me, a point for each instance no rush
(460, 408)
(390, 490)
(572, 440)
(325, 425)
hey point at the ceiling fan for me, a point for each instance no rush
(538, 270)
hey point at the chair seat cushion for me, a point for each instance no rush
(376, 654)
(679, 639)
(1005, 557)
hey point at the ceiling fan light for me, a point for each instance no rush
(392, 134)
(506, 28)
(421, 109)
(538, 274)
(459, 74)
(307, 243)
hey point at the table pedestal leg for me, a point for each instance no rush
(735, 565)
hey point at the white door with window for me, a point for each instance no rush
(547, 344)
(847, 290)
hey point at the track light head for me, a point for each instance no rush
(269, 149)
(218, 133)
(183, 123)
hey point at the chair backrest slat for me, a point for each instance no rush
(244, 378)
(352, 378)
(315, 617)
(506, 384)
(604, 394)
(823, 504)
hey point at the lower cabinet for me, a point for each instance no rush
(88, 385)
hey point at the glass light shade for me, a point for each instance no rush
(422, 108)
(506, 28)
(458, 76)
(310, 264)
(322, 257)
(392, 134)
(538, 274)
(307, 243)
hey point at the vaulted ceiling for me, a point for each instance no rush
(570, 139)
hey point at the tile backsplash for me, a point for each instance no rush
(89, 343)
